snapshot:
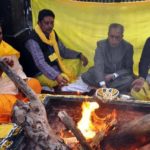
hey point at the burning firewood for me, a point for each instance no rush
(69, 123)
(101, 134)
(130, 136)
(33, 118)
(90, 129)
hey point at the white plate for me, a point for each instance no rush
(125, 97)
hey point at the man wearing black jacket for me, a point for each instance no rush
(144, 64)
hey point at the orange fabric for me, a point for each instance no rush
(35, 85)
(6, 104)
(7, 101)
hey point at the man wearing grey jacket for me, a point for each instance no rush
(113, 63)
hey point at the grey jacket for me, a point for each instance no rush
(109, 60)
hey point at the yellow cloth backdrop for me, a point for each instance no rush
(81, 24)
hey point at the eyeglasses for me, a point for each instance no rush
(115, 37)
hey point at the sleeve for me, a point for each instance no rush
(66, 52)
(145, 59)
(99, 63)
(128, 62)
(39, 60)
(17, 68)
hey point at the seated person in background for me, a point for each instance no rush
(141, 86)
(8, 91)
(47, 53)
(144, 65)
(141, 89)
(113, 64)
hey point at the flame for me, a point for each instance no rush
(78, 92)
(85, 124)
(90, 123)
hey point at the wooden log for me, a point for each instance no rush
(69, 123)
(96, 141)
(130, 136)
(33, 118)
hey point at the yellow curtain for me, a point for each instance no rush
(81, 24)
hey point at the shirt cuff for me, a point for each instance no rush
(102, 83)
(116, 75)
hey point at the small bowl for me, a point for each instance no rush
(107, 93)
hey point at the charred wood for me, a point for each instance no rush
(69, 123)
(130, 136)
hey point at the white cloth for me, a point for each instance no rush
(77, 86)
(6, 84)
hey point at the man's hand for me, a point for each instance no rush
(8, 62)
(61, 80)
(109, 77)
(137, 84)
(84, 60)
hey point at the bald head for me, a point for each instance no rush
(115, 34)
(116, 26)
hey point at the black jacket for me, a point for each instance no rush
(144, 64)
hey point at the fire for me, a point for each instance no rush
(90, 124)
(85, 124)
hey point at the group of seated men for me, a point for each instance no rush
(113, 65)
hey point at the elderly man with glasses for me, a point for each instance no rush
(113, 64)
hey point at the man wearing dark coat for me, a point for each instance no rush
(113, 63)
(144, 64)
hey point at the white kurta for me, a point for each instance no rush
(6, 85)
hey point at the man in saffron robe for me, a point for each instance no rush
(8, 91)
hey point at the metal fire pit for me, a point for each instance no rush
(127, 110)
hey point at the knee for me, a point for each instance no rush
(35, 85)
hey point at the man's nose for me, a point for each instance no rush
(114, 40)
